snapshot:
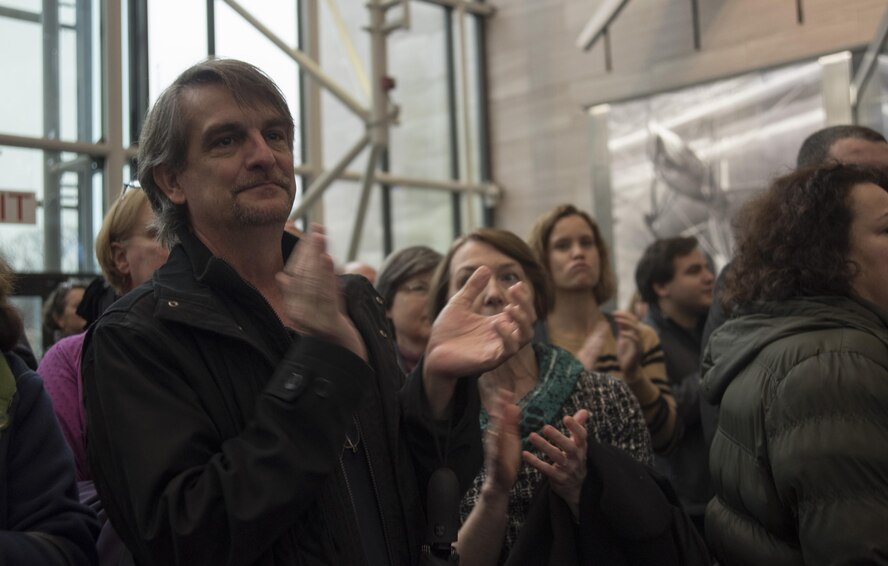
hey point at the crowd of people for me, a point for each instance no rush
(223, 396)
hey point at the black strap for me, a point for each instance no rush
(615, 328)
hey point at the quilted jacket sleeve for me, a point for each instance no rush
(827, 428)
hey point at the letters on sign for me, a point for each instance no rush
(18, 207)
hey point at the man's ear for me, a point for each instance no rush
(661, 289)
(118, 253)
(168, 181)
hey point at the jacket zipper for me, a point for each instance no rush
(348, 489)
(385, 534)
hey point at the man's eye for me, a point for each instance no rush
(224, 141)
(276, 136)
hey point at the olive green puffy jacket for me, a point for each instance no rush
(800, 458)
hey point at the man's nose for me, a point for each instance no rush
(259, 154)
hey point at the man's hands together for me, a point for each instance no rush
(312, 298)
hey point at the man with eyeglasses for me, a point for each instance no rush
(242, 406)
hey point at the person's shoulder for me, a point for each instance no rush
(63, 349)
(602, 384)
(28, 383)
(648, 334)
(64, 355)
(360, 294)
(838, 343)
(137, 304)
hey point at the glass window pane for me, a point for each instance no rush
(420, 142)
(57, 103)
(345, 58)
(422, 217)
(26, 66)
(177, 38)
(340, 206)
(77, 183)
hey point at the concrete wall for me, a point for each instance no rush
(541, 84)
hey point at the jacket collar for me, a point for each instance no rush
(736, 343)
(189, 284)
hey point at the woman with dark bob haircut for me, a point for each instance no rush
(569, 246)
(404, 283)
(566, 410)
(800, 458)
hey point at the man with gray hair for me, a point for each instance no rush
(242, 406)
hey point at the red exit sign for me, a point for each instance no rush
(18, 207)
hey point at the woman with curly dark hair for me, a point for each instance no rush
(800, 458)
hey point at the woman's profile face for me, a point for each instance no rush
(869, 242)
(142, 254)
(573, 258)
(505, 272)
(69, 322)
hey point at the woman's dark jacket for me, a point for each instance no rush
(41, 519)
(216, 435)
(800, 457)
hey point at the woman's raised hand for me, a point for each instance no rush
(566, 455)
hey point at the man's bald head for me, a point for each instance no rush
(857, 145)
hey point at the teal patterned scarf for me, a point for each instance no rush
(559, 372)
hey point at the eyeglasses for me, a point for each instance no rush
(416, 288)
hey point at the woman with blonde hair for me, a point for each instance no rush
(568, 244)
(128, 254)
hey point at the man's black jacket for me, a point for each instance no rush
(215, 434)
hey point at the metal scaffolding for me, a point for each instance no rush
(113, 152)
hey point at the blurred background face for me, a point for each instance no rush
(869, 243)
(409, 311)
(574, 261)
(68, 322)
(505, 272)
(140, 255)
(691, 287)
